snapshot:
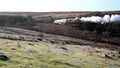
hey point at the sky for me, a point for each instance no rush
(58, 5)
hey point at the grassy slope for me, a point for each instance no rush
(24, 54)
(64, 38)
(61, 29)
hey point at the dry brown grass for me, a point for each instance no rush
(65, 39)
(23, 31)
(53, 14)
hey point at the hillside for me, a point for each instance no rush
(43, 22)
(26, 54)
(61, 14)
(59, 39)
(32, 40)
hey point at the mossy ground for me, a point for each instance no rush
(24, 54)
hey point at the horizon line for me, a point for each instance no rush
(64, 11)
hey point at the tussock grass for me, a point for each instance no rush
(26, 54)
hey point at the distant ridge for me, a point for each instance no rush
(62, 14)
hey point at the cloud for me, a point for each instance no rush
(115, 18)
(61, 21)
(92, 19)
(106, 18)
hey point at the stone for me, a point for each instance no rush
(53, 41)
(109, 57)
(13, 49)
(118, 52)
(64, 48)
(40, 39)
(4, 57)
(1, 52)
